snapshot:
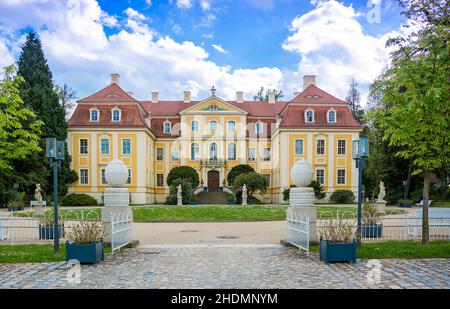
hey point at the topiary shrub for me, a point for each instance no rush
(253, 181)
(342, 197)
(81, 199)
(186, 192)
(183, 172)
(238, 170)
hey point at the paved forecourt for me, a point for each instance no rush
(227, 266)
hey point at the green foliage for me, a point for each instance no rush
(80, 199)
(186, 191)
(260, 96)
(354, 100)
(183, 172)
(230, 198)
(253, 181)
(318, 189)
(194, 198)
(238, 170)
(342, 197)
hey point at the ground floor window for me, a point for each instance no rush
(341, 177)
(129, 176)
(320, 176)
(267, 176)
(160, 180)
(103, 176)
(84, 176)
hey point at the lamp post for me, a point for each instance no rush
(360, 153)
(54, 150)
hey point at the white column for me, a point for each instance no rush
(94, 164)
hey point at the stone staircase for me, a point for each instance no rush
(212, 198)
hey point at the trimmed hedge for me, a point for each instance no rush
(81, 199)
(238, 170)
(342, 197)
(186, 173)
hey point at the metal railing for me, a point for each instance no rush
(121, 229)
(297, 229)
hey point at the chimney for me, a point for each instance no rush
(272, 97)
(187, 96)
(155, 96)
(115, 78)
(239, 96)
(130, 93)
(309, 80)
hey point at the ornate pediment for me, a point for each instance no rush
(213, 104)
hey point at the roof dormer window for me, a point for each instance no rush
(309, 116)
(312, 96)
(331, 116)
(167, 127)
(94, 115)
(116, 114)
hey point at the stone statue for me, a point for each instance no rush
(382, 193)
(244, 195)
(37, 193)
(179, 196)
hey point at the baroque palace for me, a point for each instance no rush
(211, 135)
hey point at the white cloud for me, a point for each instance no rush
(332, 45)
(148, 2)
(176, 28)
(205, 5)
(184, 4)
(219, 48)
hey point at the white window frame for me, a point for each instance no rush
(101, 145)
(90, 114)
(248, 154)
(192, 126)
(210, 127)
(216, 151)
(324, 175)
(164, 127)
(259, 127)
(131, 147)
(178, 151)
(112, 114)
(324, 147)
(87, 146)
(229, 127)
(295, 147)
(306, 115)
(162, 158)
(332, 110)
(129, 177)
(103, 176)
(345, 147)
(234, 158)
(265, 159)
(337, 177)
(162, 184)
(86, 176)
(195, 155)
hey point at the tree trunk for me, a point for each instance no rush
(408, 181)
(426, 191)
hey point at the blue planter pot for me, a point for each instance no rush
(231, 203)
(371, 231)
(85, 253)
(337, 252)
(193, 203)
(18, 208)
(405, 205)
(47, 232)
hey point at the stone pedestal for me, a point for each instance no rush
(381, 206)
(116, 200)
(301, 201)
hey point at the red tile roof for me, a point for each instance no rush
(111, 93)
(313, 95)
(132, 115)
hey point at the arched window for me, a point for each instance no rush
(194, 126)
(94, 115)
(309, 116)
(231, 126)
(231, 151)
(331, 117)
(116, 114)
(213, 151)
(167, 127)
(213, 126)
(195, 151)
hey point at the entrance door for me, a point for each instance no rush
(213, 181)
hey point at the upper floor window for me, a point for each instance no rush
(213, 126)
(259, 128)
(252, 154)
(175, 154)
(159, 154)
(94, 115)
(167, 127)
(213, 151)
(341, 147)
(231, 151)
(309, 116)
(116, 114)
(320, 147)
(331, 116)
(195, 152)
(83, 146)
(231, 126)
(194, 126)
(126, 146)
(104, 146)
(298, 151)
(266, 154)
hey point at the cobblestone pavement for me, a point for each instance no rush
(227, 267)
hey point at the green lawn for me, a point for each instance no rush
(35, 253)
(402, 249)
(212, 213)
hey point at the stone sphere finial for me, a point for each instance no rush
(116, 173)
(302, 173)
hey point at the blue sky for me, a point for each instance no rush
(170, 46)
